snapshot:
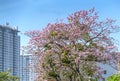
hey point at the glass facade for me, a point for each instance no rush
(9, 50)
(26, 69)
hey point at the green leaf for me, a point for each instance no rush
(91, 58)
(80, 47)
(94, 45)
(85, 36)
(47, 47)
(65, 60)
(52, 74)
(101, 48)
(66, 52)
(53, 33)
(114, 77)
(5, 76)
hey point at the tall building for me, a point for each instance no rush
(9, 49)
(26, 69)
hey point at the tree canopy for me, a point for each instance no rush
(71, 51)
(5, 76)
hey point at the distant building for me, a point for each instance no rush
(9, 49)
(26, 69)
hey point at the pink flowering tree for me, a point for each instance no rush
(71, 51)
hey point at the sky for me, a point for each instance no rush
(36, 14)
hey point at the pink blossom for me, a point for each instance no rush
(82, 40)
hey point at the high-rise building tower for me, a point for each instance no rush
(27, 72)
(24, 67)
(9, 49)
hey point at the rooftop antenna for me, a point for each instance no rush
(16, 28)
(7, 23)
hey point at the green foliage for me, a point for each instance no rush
(53, 33)
(65, 60)
(52, 74)
(47, 47)
(93, 44)
(5, 76)
(114, 77)
(66, 52)
(91, 58)
(80, 47)
(85, 36)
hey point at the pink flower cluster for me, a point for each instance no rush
(83, 35)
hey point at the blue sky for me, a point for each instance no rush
(36, 14)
